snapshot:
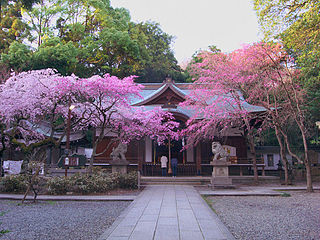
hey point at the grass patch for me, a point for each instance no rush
(284, 194)
(2, 213)
(3, 231)
(209, 203)
(51, 202)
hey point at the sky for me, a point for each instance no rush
(197, 24)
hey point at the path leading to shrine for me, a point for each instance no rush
(168, 212)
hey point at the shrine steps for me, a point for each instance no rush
(194, 181)
(202, 180)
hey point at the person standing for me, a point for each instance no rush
(174, 165)
(164, 161)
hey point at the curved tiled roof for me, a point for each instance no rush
(152, 91)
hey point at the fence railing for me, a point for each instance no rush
(241, 169)
(150, 169)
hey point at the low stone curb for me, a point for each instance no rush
(68, 197)
(268, 191)
(240, 194)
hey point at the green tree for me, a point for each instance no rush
(41, 19)
(296, 23)
(18, 57)
(158, 58)
(12, 28)
(53, 53)
(89, 37)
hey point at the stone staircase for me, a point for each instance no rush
(194, 181)
(202, 180)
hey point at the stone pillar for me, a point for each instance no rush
(220, 174)
(119, 168)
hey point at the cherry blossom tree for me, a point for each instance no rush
(257, 74)
(27, 102)
(219, 101)
(276, 87)
(104, 103)
(30, 99)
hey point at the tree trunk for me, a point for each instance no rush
(31, 185)
(285, 165)
(94, 151)
(283, 157)
(254, 160)
(307, 162)
(309, 178)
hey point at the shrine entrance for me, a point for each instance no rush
(175, 148)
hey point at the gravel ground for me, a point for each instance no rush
(296, 217)
(53, 220)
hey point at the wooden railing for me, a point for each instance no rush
(150, 169)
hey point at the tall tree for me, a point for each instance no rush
(18, 57)
(158, 58)
(296, 24)
(30, 99)
(104, 40)
(104, 103)
(261, 74)
(41, 18)
(12, 28)
(56, 54)
(219, 101)
(266, 80)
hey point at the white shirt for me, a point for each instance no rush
(164, 161)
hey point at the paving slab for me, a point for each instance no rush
(166, 212)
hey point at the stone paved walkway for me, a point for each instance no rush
(168, 212)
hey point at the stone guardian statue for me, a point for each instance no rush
(220, 171)
(119, 162)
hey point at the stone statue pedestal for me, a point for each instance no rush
(119, 166)
(119, 163)
(220, 174)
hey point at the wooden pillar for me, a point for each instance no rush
(198, 158)
(263, 172)
(140, 155)
(169, 163)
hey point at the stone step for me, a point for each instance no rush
(249, 179)
(172, 183)
(196, 181)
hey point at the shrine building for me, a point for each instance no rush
(144, 155)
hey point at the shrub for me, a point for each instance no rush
(115, 179)
(14, 183)
(58, 185)
(92, 183)
(128, 181)
(95, 183)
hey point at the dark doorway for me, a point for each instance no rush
(176, 147)
(160, 150)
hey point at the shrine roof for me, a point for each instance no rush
(153, 92)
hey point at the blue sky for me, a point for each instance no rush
(196, 24)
